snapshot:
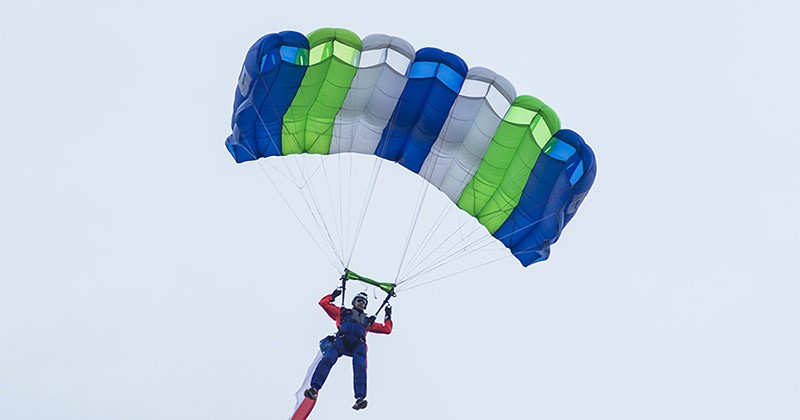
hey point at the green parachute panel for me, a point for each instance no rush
(334, 55)
(493, 193)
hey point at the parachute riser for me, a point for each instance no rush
(344, 287)
(389, 295)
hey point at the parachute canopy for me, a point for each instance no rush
(502, 158)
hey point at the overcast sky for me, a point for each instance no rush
(145, 275)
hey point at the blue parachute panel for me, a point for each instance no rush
(550, 199)
(272, 72)
(433, 85)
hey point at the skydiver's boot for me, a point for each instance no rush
(360, 404)
(311, 393)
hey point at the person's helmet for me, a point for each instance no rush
(360, 295)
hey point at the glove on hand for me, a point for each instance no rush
(336, 292)
(388, 312)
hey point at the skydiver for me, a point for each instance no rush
(350, 340)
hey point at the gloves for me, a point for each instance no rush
(388, 312)
(336, 292)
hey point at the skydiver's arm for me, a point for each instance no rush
(327, 304)
(385, 328)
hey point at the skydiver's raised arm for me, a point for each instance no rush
(386, 327)
(378, 328)
(327, 304)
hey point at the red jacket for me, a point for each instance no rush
(333, 311)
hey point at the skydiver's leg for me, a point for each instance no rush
(360, 371)
(326, 363)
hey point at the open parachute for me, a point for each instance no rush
(501, 158)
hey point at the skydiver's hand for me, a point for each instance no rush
(388, 312)
(336, 292)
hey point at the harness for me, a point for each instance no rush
(353, 322)
(354, 316)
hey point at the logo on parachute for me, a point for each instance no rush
(576, 202)
(244, 82)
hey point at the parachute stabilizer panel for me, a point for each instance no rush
(272, 71)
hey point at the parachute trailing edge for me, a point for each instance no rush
(502, 158)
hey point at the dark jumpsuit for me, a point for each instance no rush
(350, 341)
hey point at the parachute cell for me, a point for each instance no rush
(374, 92)
(434, 82)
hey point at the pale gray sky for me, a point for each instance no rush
(144, 275)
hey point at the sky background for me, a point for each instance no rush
(144, 275)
